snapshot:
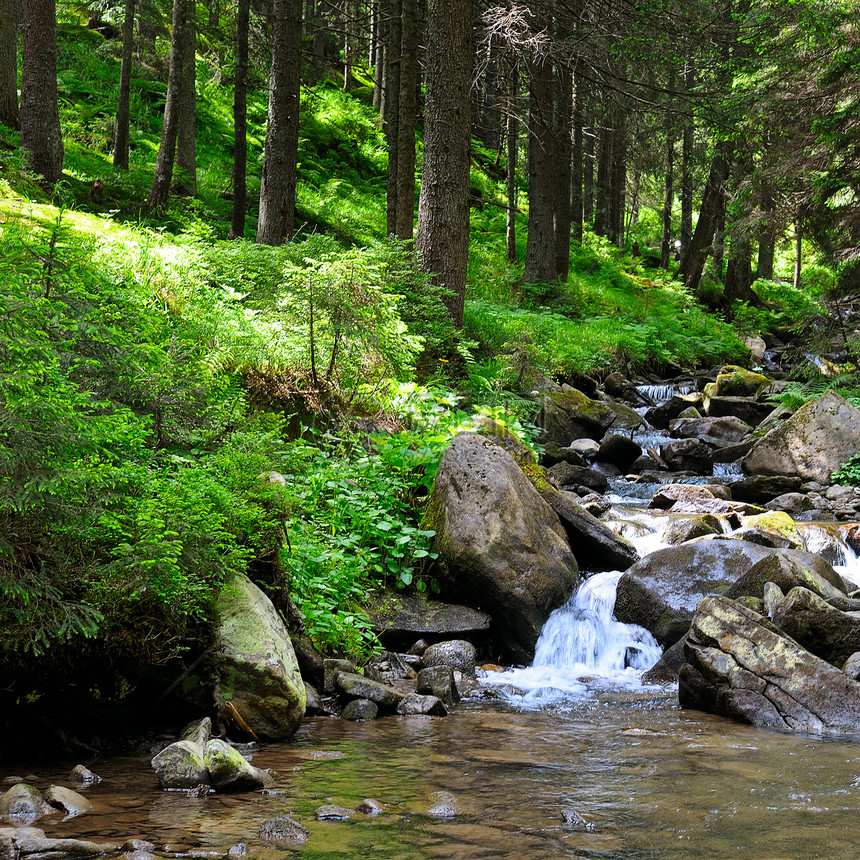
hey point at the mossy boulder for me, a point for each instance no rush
(501, 548)
(734, 381)
(259, 674)
(788, 569)
(776, 521)
(181, 766)
(569, 414)
(810, 445)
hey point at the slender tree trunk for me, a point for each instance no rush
(618, 181)
(41, 137)
(240, 122)
(8, 64)
(540, 240)
(186, 130)
(512, 135)
(563, 97)
(687, 171)
(408, 101)
(713, 201)
(377, 43)
(602, 223)
(123, 109)
(278, 186)
(588, 173)
(392, 109)
(576, 171)
(443, 207)
(668, 197)
(159, 192)
(718, 248)
(766, 235)
(798, 252)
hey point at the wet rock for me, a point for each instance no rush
(727, 430)
(501, 547)
(444, 805)
(749, 411)
(787, 570)
(199, 732)
(230, 771)
(458, 654)
(23, 804)
(733, 453)
(369, 806)
(313, 702)
(764, 488)
(181, 765)
(284, 831)
(791, 503)
(742, 666)
(500, 435)
(777, 522)
(564, 475)
(668, 495)
(360, 711)
(554, 453)
(625, 418)
(67, 801)
(310, 659)
(661, 592)
(574, 821)
(237, 851)
(734, 381)
(666, 669)
(438, 681)
(406, 617)
(763, 537)
(332, 812)
(32, 843)
(259, 674)
(816, 625)
(691, 526)
(131, 845)
(621, 451)
(417, 705)
(360, 687)
(815, 441)
(569, 414)
(418, 648)
(588, 448)
(685, 455)
(81, 775)
(660, 416)
(139, 855)
(619, 386)
(594, 544)
(773, 596)
(332, 667)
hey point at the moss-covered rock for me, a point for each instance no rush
(569, 414)
(776, 521)
(259, 674)
(733, 381)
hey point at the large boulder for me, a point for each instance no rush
(23, 804)
(229, 770)
(815, 441)
(660, 416)
(742, 666)
(181, 765)
(620, 451)
(752, 412)
(734, 381)
(687, 455)
(259, 674)
(720, 430)
(569, 414)
(661, 592)
(787, 570)
(405, 618)
(594, 544)
(500, 546)
(764, 488)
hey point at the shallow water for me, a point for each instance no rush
(654, 781)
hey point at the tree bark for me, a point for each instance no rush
(240, 122)
(123, 117)
(618, 180)
(563, 97)
(41, 136)
(588, 173)
(186, 130)
(687, 171)
(576, 171)
(540, 241)
(443, 207)
(159, 192)
(392, 109)
(713, 201)
(8, 64)
(512, 136)
(408, 101)
(603, 181)
(276, 220)
(668, 197)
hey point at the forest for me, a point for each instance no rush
(261, 261)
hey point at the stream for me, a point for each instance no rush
(576, 730)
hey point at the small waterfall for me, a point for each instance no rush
(661, 393)
(831, 542)
(581, 643)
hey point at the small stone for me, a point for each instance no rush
(457, 653)
(23, 804)
(83, 776)
(369, 806)
(416, 704)
(444, 805)
(67, 801)
(332, 812)
(574, 820)
(438, 681)
(360, 710)
(773, 596)
(284, 830)
(331, 669)
(418, 649)
(230, 771)
(240, 849)
(136, 845)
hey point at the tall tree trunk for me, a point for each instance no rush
(512, 136)
(687, 170)
(408, 102)
(588, 172)
(602, 184)
(618, 180)
(376, 47)
(540, 240)
(123, 109)
(240, 122)
(713, 201)
(278, 186)
(576, 171)
(392, 109)
(186, 131)
(668, 197)
(798, 252)
(41, 137)
(563, 98)
(443, 207)
(159, 192)
(8, 64)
